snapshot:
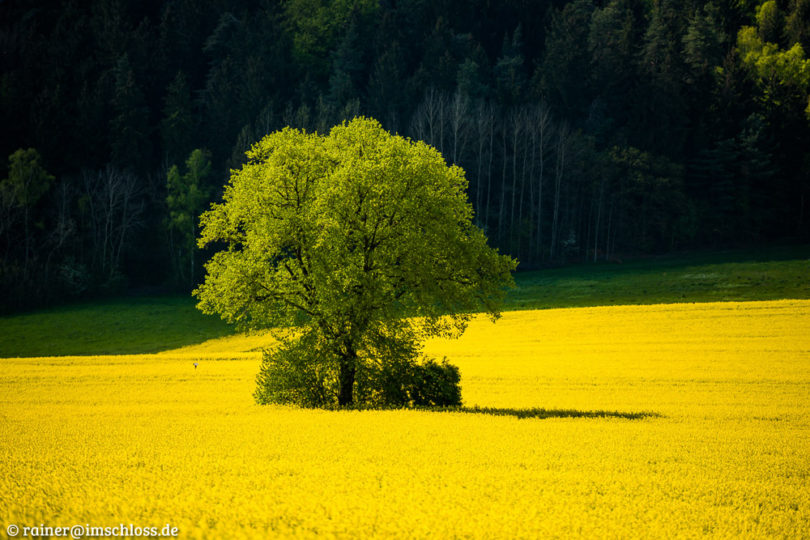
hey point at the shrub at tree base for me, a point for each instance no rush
(298, 373)
(435, 384)
(303, 374)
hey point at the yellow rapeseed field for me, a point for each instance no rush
(149, 440)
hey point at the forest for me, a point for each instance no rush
(589, 130)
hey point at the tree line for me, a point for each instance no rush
(589, 130)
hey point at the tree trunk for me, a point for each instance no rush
(515, 121)
(543, 124)
(599, 217)
(479, 211)
(524, 118)
(502, 208)
(489, 166)
(559, 168)
(348, 368)
(27, 243)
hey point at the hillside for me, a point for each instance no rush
(585, 128)
(130, 325)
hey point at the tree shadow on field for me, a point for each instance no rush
(547, 413)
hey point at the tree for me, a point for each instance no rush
(797, 23)
(129, 127)
(563, 147)
(652, 208)
(314, 28)
(769, 22)
(387, 98)
(472, 79)
(704, 42)
(566, 60)
(177, 125)
(347, 65)
(509, 72)
(779, 71)
(361, 240)
(661, 109)
(112, 205)
(612, 38)
(187, 195)
(27, 182)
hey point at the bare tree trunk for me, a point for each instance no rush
(27, 241)
(515, 124)
(325, 115)
(303, 117)
(26, 204)
(524, 119)
(107, 208)
(114, 214)
(442, 115)
(598, 217)
(127, 187)
(431, 114)
(502, 208)
(458, 122)
(90, 197)
(480, 128)
(64, 227)
(559, 171)
(417, 126)
(428, 118)
(531, 210)
(491, 113)
(609, 230)
(543, 129)
(264, 120)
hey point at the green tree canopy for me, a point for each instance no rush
(362, 240)
(27, 182)
(27, 178)
(772, 65)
